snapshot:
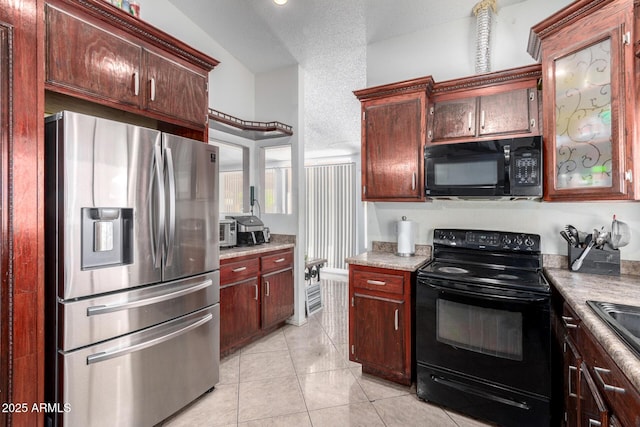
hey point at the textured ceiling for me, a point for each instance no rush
(328, 38)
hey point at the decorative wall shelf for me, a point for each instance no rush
(247, 128)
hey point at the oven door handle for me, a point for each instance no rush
(520, 297)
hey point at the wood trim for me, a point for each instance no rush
(407, 86)
(559, 20)
(479, 81)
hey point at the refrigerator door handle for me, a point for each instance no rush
(104, 309)
(172, 206)
(106, 355)
(156, 179)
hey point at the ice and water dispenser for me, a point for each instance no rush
(107, 237)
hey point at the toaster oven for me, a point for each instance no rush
(228, 233)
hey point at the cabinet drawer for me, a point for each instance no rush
(240, 270)
(379, 282)
(277, 261)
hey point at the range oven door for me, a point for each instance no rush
(501, 337)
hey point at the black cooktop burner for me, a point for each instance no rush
(452, 270)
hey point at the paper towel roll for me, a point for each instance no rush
(406, 238)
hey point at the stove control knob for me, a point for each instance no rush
(519, 240)
(506, 240)
(528, 241)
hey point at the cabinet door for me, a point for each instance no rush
(378, 332)
(589, 150)
(84, 59)
(453, 119)
(571, 382)
(239, 312)
(593, 411)
(277, 297)
(508, 112)
(392, 157)
(174, 90)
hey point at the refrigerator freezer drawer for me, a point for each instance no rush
(144, 377)
(92, 320)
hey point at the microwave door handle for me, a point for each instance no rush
(507, 169)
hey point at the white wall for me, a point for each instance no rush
(231, 84)
(429, 52)
(448, 51)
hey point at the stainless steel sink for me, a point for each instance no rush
(623, 319)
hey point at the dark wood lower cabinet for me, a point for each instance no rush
(239, 312)
(256, 296)
(381, 322)
(378, 329)
(277, 297)
(595, 391)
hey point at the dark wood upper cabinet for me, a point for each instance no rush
(590, 90)
(98, 53)
(393, 138)
(485, 106)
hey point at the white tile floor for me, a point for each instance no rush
(302, 376)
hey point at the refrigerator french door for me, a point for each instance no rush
(132, 280)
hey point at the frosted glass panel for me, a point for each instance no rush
(583, 117)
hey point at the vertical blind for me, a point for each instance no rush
(331, 198)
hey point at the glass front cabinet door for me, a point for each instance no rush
(589, 104)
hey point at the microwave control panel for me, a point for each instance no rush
(526, 167)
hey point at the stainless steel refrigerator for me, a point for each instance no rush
(132, 272)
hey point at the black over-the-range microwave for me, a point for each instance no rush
(497, 169)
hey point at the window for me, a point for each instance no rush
(233, 182)
(277, 180)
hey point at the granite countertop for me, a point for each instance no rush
(383, 255)
(227, 253)
(577, 288)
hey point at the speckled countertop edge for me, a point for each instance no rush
(577, 288)
(383, 256)
(228, 253)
